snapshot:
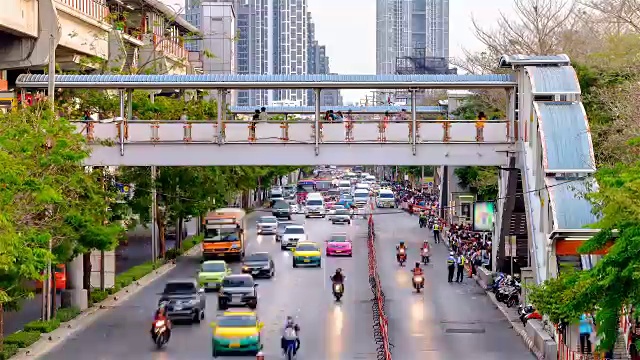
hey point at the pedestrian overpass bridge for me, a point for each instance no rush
(543, 146)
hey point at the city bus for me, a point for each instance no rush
(304, 187)
(224, 234)
(323, 185)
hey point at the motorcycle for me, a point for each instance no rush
(402, 256)
(527, 313)
(338, 291)
(159, 335)
(430, 223)
(418, 282)
(425, 256)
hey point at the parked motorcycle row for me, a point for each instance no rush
(507, 289)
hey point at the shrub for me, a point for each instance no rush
(172, 254)
(22, 339)
(7, 351)
(98, 296)
(42, 326)
(66, 314)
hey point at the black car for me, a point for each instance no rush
(238, 290)
(184, 300)
(280, 209)
(259, 264)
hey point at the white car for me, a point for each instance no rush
(342, 216)
(292, 236)
(332, 210)
(314, 207)
(267, 225)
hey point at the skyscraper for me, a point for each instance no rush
(402, 26)
(318, 63)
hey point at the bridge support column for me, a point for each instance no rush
(317, 121)
(221, 110)
(121, 121)
(414, 121)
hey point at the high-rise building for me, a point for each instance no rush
(318, 63)
(402, 26)
(215, 46)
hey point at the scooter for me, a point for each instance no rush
(402, 256)
(338, 291)
(159, 335)
(418, 282)
(528, 312)
(425, 256)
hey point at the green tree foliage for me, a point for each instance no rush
(46, 196)
(481, 180)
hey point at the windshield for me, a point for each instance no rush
(344, 184)
(342, 212)
(280, 204)
(338, 238)
(294, 230)
(268, 220)
(306, 247)
(323, 185)
(314, 202)
(282, 226)
(237, 321)
(179, 287)
(386, 196)
(334, 192)
(213, 267)
(361, 195)
(257, 257)
(220, 234)
(231, 282)
(306, 188)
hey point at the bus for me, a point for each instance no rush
(224, 233)
(304, 187)
(323, 185)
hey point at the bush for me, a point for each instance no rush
(41, 326)
(66, 314)
(98, 296)
(191, 242)
(172, 254)
(22, 339)
(7, 351)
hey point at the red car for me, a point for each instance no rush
(60, 276)
(339, 244)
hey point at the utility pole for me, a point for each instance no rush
(47, 288)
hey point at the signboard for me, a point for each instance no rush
(483, 213)
(427, 182)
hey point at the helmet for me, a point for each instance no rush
(401, 243)
(451, 253)
(162, 305)
(289, 319)
(417, 264)
(338, 270)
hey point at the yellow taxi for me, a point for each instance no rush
(236, 332)
(307, 254)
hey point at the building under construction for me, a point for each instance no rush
(420, 63)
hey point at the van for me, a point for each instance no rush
(344, 185)
(361, 197)
(386, 199)
(314, 207)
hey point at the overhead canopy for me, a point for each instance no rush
(316, 81)
(344, 109)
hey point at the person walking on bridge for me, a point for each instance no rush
(451, 266)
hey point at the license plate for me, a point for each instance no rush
(236, 298)
(338, 251)
(307, 260)
(234, 345)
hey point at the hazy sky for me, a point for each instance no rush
(348, 29)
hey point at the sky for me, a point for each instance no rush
(348, 30)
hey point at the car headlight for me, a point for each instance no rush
(245, 268)
(193, 302)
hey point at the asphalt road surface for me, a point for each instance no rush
(329, 330)
(447, 320)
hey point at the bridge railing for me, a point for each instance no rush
(174, 131)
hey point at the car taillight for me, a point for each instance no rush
(159, 323)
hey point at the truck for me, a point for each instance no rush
(224, 234)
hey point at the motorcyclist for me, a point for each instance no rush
(400, 247)
(423, 218)
(161, 314)
(338, 277)
(417, 270)
(290, 333)
(425, 251)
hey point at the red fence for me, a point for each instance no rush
(380, 321)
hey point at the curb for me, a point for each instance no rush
(50, 341)
(516, 325)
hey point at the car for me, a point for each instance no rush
(314, 207)
(282, 225)
(339, 244)
(332, 211)
(184, 300)
(60, 276)
(236, 332)
(238, 290)
(293, 234)
(342, 216)
(267, 225)
(259, 264)
(280, 209)
(211, 274)
(307, 253)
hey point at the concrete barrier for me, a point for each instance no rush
(541, 339)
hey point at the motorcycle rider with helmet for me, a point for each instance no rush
(290, 333)
(161, 314)
(401, 247)
(338, 277)
(425, 251)
(417, 270)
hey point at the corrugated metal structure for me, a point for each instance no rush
(570, 208)
(553, 80)
(566, 140)
(509, 61)
(321, 81)
(344, 109)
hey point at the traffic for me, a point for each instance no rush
(291, 281)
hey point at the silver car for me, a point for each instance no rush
(267, 225)
(293, 234)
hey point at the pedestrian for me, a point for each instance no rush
(436, 232)
(460, 260)
(585, 333)
(451, 266)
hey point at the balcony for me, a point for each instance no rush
(93, 9)
(170, 47)
(84, 28)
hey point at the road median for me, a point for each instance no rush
(40, 337)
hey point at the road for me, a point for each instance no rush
(446, 321)
(137, 252)
(328, 330)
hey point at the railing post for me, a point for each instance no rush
(317, 122)
(414, 120)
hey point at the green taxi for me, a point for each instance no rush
(211, 274)
(236, 331)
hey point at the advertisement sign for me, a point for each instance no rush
(483, 213)
(427, 182)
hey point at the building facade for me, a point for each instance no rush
(318, 63)
(214, 48)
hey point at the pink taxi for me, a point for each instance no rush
(339, 244)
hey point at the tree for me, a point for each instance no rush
(481, 180)
(46, 198)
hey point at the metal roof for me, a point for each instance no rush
(570, 208)
(566, 140)
(344, 109)
(508, 61)
(212, 81)
(553, 80)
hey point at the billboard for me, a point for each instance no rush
(483, 213)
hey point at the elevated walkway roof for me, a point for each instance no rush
(343, 109)
(317, 81)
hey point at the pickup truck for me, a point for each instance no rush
(184, 300)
